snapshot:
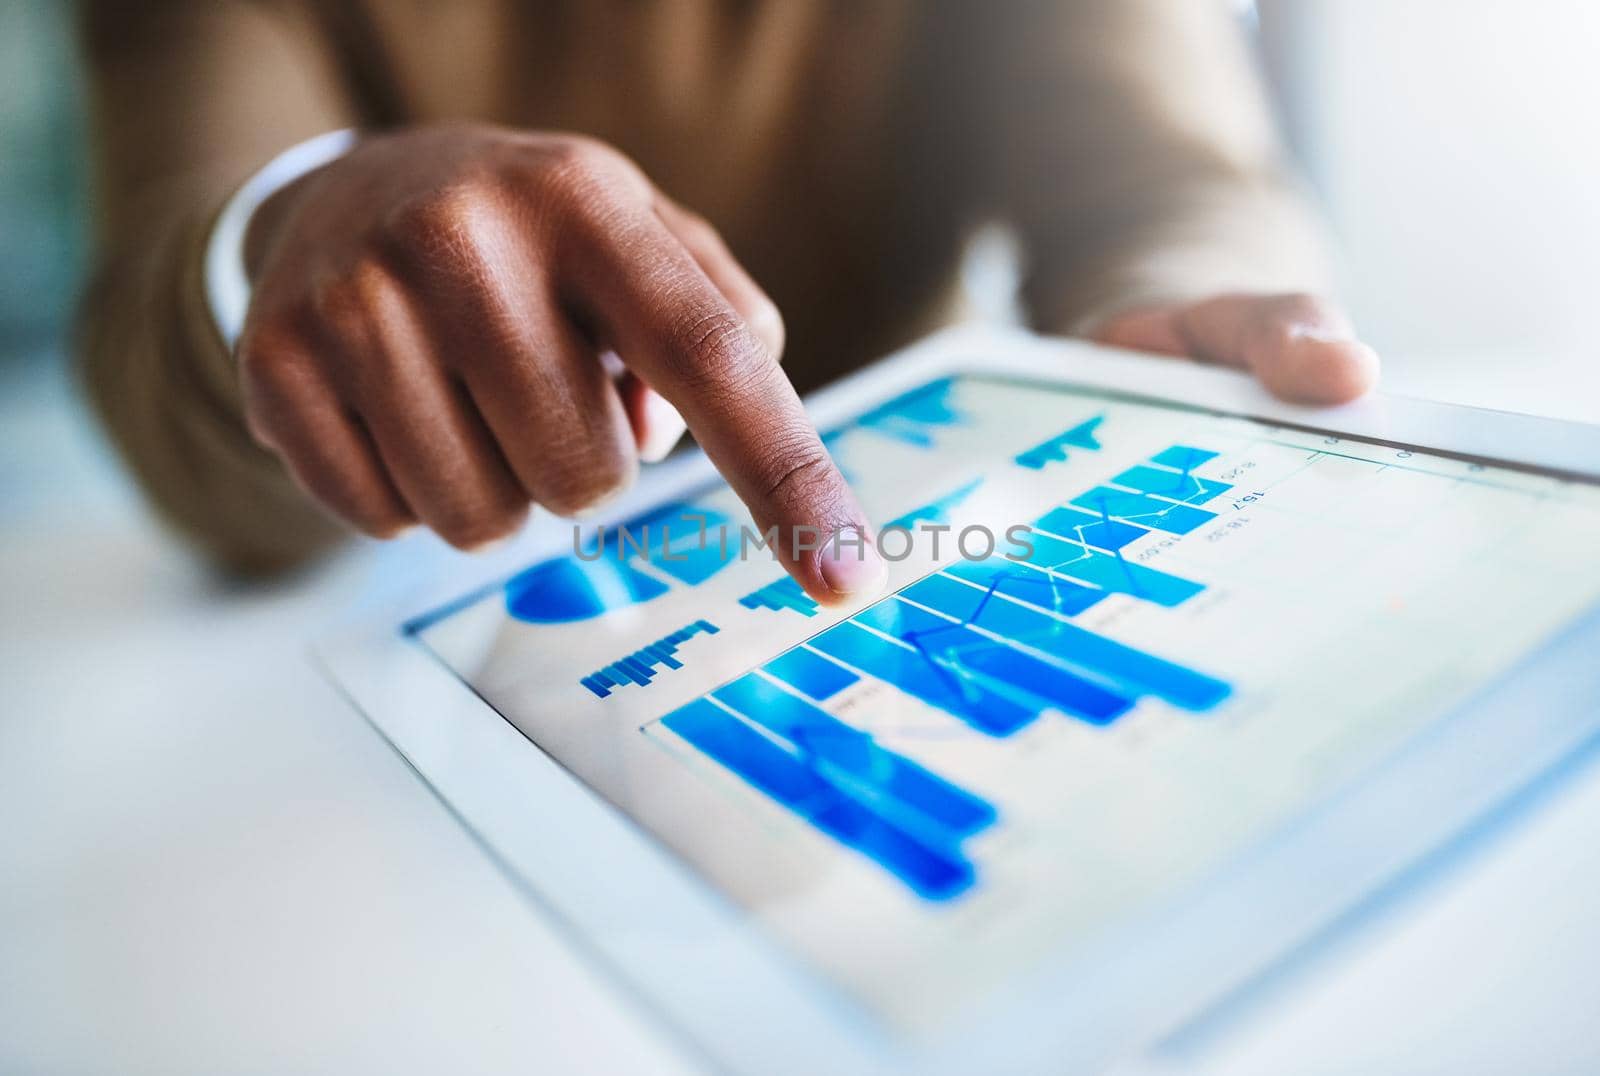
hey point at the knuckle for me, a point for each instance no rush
(348, 305)
(442, 226)
(717, 351)
(272, 357)
(267, 345)
(581, 162)
(800, 472)
(590, 188)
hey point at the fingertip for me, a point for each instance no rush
(1322, 368)
(850, 567)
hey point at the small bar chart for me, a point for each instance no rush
(1054, 450)
(913, 418)
(640, 667)
(779, 595)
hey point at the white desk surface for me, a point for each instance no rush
(209, 864)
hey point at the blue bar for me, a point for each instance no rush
(937, 511)
(1143, 509)
(1133, 671)
(1116, 574)
(894, 617)
(810, 673)
(1095, 530)
(1063, 690)
(913, 673)
(781, 594)
(680, 547)
(672, 539)
(637, 671)
(1034, 586)
(1182, 457)
(1054, 450)
(890, 783)
(639, 667)
(690, 563)
(1111, 572)
(933, 872)
(911, 418)
(1185, 487)
(971, 652)
(746, 752)
(1057, 554)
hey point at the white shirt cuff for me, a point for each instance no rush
(227, 285)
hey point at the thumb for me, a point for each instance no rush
(1301, 347)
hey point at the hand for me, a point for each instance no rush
(1299, 346)
(425, 343)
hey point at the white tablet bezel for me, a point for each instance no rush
(693, 958)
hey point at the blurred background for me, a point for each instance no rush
(42, 183)
(1454, 147)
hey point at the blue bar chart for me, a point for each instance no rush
(640, 667)
(779, 595)
(989, 642)
(1054, 450)
(1120, 645)
(914, 417)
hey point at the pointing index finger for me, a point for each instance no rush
(675, 329)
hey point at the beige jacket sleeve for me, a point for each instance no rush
(1140, 164)
(182, 119)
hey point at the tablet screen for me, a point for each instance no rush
(1123, 641)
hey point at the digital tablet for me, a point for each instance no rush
(1168, 675)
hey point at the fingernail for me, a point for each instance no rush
(851, 567)
(663, 428)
